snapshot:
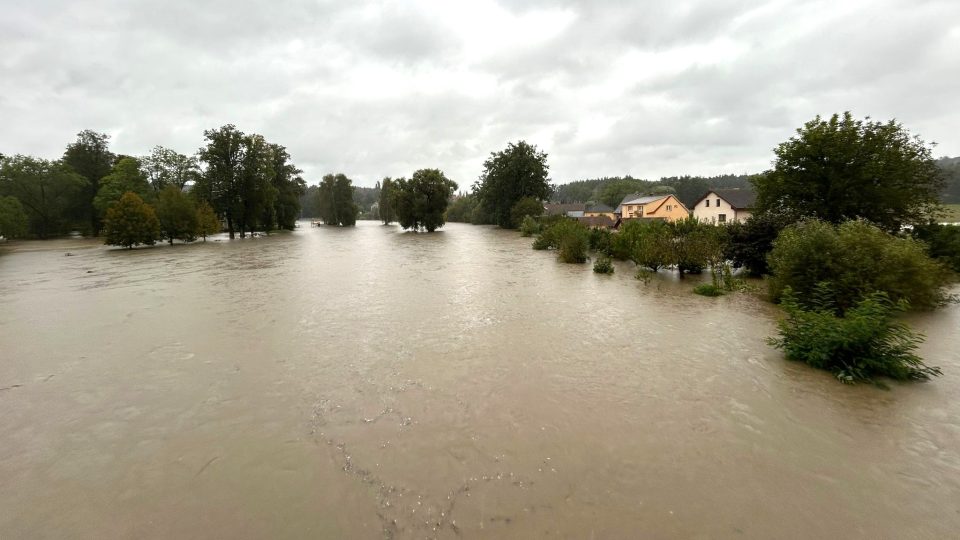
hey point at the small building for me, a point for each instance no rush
(599, 209)
(665, 207)
(725, 206)
(574, 210)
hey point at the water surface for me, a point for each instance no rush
(370, 383)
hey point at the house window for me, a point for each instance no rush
(708, 203)
(721, 218)
(718, 203)
(669, 208)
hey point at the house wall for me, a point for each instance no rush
(711, 214)
(676, 212)
(631, 211)
(596, 214)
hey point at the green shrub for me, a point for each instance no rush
(525, 207)
(854, 259)
(603, 265)
(569, 237)
(542, 242)
(943, 242)
(863, 343)
(529, 226)
(600, 240)
(708, 289)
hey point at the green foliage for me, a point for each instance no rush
(708, 289)
(387, 212)
(90, 157)
(130, 222)
(13, 220)
(697, 245)
(166, 167)
(855, 259)
(529, 226)
(841, 169)
(943, 242)
(751, 241)
(612, 190)
(525, 207)
(47, 191)
(864, 343)
(177, 214)
(569, 237)
(461, 209)
(601, 240)
(421, 201)
(125, 176)
(509, 175)
(207, 221)
(288, 186)
(603, 265)
(335, 201)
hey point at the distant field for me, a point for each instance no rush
(953, 213)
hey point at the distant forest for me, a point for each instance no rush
(611, 190)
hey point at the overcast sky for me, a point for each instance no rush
(373, 89)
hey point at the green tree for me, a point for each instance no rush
(461, 208)
(388, 213)
(509, 175)
(751, 241)
(177, 215)
(943, 242)
(853, 259)
(697, 245)
(165, 167)
(527, 206)
(222, 182)
(421, 202)
(288, 185)
(47, 190)
(91, 158)
(124, 176)
(207, 221)
(13, 220)
(841, 169)
(335, 201)
(131, 222)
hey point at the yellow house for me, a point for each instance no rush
(599, 210)
(665, 207)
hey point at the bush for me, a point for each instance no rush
(854, 259)
(943, 242)
(708, 289)
(525, 207)
(600, 240)
(751, 241)
(130, 221)
(863, 343)
(569, 237)
(603, 265)
(529, 226)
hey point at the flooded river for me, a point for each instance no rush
(369, 383)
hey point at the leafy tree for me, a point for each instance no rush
(653, 245)
(387, 212)
(461, 208)
(841, 169)
(124, 177)
(288, 185)
(207, 221)
(943, 242)
(853, 259)
(751, 241)
(222, 182)
(569, 237)
(131, 222)
(13, 220)
(859, 345)
(421, 201)
(46, 190)
(165, 167)
(527, 206)
(516, 172)
(697, 245)
(177, 215)
(335, 201)
(91, 158)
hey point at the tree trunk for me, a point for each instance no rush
(230, 227)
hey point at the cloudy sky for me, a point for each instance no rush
(381, 88)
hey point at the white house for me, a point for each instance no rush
(725, 205)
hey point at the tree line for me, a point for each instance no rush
(242, 179)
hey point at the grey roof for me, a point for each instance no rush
(645, 199)
(599, 208)
(739, 199)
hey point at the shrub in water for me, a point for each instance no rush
(529, 226)
(603, 265)
(856, 259)
(708, 289)
(859, 345)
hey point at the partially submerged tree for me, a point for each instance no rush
(207, 221)
(131, 222)
(385, 204)
(47, 191)
(124, 177)
(13, 219)
(177, 215)
(91, 158)
(335, 201)
(421, 201)
(518, 171)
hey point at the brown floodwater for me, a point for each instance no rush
(370, 383)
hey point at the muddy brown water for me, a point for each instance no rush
(369, 383)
